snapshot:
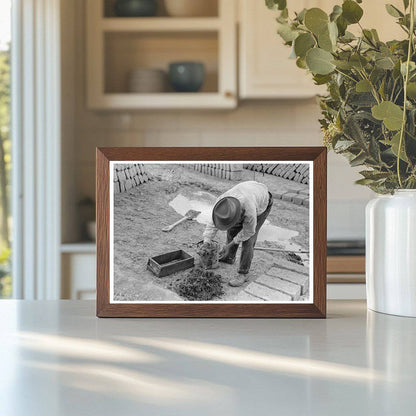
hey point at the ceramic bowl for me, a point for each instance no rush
(135, 8)
(147, 80)
(186, 76)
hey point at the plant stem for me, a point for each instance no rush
(406, 80)
(345, 75)
(373, 89)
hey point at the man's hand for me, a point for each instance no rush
(225, 249)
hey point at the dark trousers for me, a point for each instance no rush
(248, 245)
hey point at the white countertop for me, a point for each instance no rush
(58, 359)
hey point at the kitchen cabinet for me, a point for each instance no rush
(265, 70)
(116, 46)
(78, 263)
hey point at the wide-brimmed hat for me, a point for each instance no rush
(226, 212)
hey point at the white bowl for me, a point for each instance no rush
(191, 8)
(145, 80)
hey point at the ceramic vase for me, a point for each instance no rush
(391, 253)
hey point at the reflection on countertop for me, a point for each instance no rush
(63, 360)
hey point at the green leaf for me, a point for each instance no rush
(303, 43)
(385, 63)
(381, 89)
(358, 61)
(325, 43)
(284, 14)
(406, 4)
(354, 131)
(316, 20)
(374, 175)
(391, 114)
(394, 145)
(319, 61)
(412, 67)
(343, 145)
(286, 32)
(363, 86)
(368, 36)
(342, 25)
(301, 15)
(361, 99)
(374, 150)
(336, 12)
(411, 90)
(348, 37)
(351, 11)
(364, 181)
(343, 65)
(301, 63)
(333, 32)
(375, 35)
(358, 160)
(321, 79)
(276, 4)
(327, 40)
(393, 11)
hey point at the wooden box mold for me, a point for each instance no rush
(169, 263)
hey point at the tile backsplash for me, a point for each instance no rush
(284, 123)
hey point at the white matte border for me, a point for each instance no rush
(193, 162)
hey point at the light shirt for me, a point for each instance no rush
(254, 199)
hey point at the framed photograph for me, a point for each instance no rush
(211, 232)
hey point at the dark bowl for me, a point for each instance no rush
(136, 8)
(186, 76)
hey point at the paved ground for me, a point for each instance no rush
(141, 212)
(285, 281)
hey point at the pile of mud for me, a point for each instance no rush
(199, 284)
(208, 255)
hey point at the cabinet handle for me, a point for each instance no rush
(228, 94)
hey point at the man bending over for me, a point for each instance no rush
(241, 211)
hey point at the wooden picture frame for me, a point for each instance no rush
(315, 308)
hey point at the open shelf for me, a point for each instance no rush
(162, 101)
(127, 51)
(116, 46)
(160, 24)
(80, 247)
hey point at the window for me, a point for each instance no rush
(5, 145)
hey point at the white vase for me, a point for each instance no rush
(391, 253)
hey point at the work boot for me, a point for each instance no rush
(239, 280)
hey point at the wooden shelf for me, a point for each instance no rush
(163, 101)
(159, 24)
(346, 264)
(81, 247)
(116, 46)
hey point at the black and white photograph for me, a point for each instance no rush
(210, 232)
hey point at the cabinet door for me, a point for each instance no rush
(265, 68)
(78, 276)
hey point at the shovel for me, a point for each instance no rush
(190, 215)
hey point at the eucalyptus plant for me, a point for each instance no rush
(369, 112)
